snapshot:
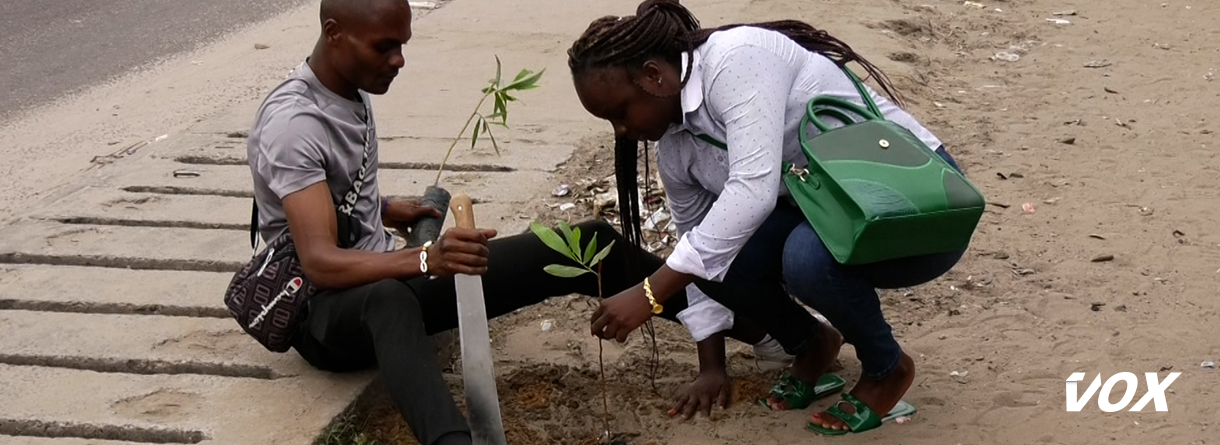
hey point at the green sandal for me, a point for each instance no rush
(863, 420)
(799, 394)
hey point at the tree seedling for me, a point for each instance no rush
(525, 80)
(587, 259)
(428, 228)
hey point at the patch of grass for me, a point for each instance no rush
(347, 432)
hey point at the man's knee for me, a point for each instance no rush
(604, 230)
(392, 299)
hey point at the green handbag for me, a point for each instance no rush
(873, 191)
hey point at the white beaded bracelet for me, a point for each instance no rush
(423, 258)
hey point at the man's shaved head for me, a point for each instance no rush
(362, 40)
(356, 11)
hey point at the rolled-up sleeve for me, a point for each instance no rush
(746, 90)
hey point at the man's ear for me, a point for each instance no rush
(331, 31)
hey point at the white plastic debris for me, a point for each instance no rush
(1208, 364)
(566, 206)
(959, 373)
(604, 200)
(422, 5)
(1059, 21)
(161, 138)
(974, 4)
(656, 219)
(1006, 56)
(561, 191)
(548, 325)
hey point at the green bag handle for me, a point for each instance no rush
(824, 105)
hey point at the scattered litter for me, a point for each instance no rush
(902, 420)
(1166, 368)
(260, 46)
(548, 325)
(1096, 236)
(1103, 258)
(1096, 307)
(1053, 200)
(422, 5)
(1210, 76)
(1006, 56)
(562, 190)
(1098, 64)
(976, 5)
(656, 220)
(604, 200)
(1068, 141)
(161, 138)
(1028, 207)
(1059, 21)
(186, 173)
(1208, 364)
(1164, 46)
(959, 373)
(566, 206)
(1178, 234)
(938, 104)
(1063, 13)
(1110, 90)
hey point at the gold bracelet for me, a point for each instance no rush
(656, 308)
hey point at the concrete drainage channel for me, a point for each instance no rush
(114, 328)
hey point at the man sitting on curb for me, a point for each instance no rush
(313, 139)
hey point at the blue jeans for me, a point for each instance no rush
(786, 251)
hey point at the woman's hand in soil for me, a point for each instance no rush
(621, 314)
(461, 251)
(711, 386)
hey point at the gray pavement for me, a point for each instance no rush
(52, 48)
(114, 329)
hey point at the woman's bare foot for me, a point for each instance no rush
(809, 366)
(880, 395)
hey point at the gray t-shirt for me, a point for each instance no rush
(304, 134)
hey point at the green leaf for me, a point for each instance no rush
(494, 144)
(565, 271)
(590, 249)
(572, 241)
(497, 82)
(601, 255)
(500, 108)
(551, 239)
(477, 124)
(576, 244)
(525, 81)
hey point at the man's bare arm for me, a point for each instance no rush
(311, 218)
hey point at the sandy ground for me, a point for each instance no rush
(1104, 126)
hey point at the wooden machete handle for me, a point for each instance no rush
(463, 211)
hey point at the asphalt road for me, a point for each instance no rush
(49, 48)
